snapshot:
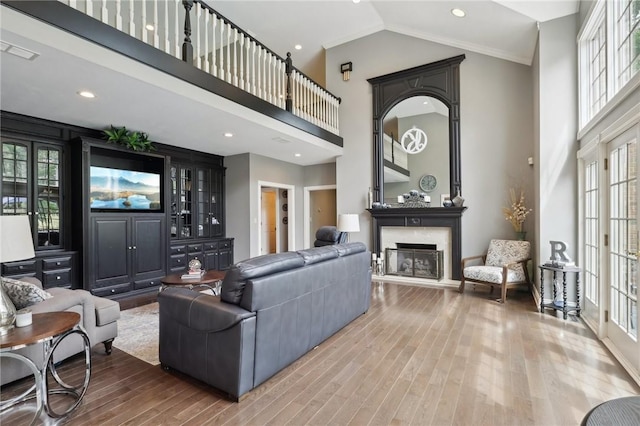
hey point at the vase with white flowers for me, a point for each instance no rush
(517, 212)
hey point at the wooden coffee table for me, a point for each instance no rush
(48, 329)
(211, 279)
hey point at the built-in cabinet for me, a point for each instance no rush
(31, 184)
(128, 252)
(46, 172)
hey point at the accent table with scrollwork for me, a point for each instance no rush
(560, 306)
(50, 329)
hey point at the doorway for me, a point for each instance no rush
(319, 210)
(276, 230)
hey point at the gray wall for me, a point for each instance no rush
(244, 171)
(496, 128)
(555, 157)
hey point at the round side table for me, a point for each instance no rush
(211, 279)
(49, 329)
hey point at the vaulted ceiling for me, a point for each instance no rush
(176, 113)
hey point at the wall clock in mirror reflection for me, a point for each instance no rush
(428, 183)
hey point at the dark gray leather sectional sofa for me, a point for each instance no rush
(272, 310)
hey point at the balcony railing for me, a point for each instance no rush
(194, 32)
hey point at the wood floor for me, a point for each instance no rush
(420, 356)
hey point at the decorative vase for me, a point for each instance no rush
(458, 201)
(7, 312)
(521, 235)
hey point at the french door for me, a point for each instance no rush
(623, 251)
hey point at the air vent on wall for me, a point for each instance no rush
(18, 51)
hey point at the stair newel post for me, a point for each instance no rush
(288, 71)
(187, 47)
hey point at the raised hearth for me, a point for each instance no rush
(429, 217)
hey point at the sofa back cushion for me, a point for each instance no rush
(237, 276)
(318, 254)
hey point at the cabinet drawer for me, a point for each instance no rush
(154, 282)
(56, 263)
(178, 250)
(195, 248)
(59, 278)
(223, 244)
(212, 245)
(111, 290)
(23, 267)
(178, 261)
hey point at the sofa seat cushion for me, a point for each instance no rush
(107, 310)
(23, 294)
(492, 274)
(237, 276)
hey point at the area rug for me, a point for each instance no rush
(138, 333)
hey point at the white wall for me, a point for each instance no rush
(496, 129)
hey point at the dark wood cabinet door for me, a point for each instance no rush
(149, 244)
(225, 258)
(211, 260)
(111, 251)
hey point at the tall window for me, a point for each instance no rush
(626, 43)
(609, 47)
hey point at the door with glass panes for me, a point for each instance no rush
(30, 185)
(623, 250)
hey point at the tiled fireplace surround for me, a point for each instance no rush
(431, 225)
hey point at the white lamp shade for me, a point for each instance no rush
(15, 238)
(348, 222)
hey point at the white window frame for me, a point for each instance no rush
(603, 13)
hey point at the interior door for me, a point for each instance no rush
(268, 221)
(622, 327)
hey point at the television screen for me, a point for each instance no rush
(116, 189)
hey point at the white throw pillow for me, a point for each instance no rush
(23, 294)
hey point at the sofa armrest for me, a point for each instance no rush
(62, 300)
(32, 280)
(198, 311)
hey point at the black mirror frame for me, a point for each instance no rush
(440, 80)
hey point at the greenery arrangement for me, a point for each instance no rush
(136, 141)
(517, 212)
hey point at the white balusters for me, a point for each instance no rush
(165, 30)
(119, 15)
(178, 32)
(197, 54)
(104, 13)
(156, 38)
(206, 41)
(132, 23)
(214, 67)
(219, 49)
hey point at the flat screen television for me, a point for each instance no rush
(118, 189)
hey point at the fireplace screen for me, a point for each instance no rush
(414, 263)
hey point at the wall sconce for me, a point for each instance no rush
(346, 69)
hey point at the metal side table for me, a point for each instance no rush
(560, 306)
(49, 329)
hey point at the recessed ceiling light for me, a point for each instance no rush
(298, 46)
(297, 154)
(356, 1)
(150, 27)
(86, 94)
(458, 12)
(228, 135)
(425, 102)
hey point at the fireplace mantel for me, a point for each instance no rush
(449, 217)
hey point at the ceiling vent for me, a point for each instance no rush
(281, 140)
(18, 51)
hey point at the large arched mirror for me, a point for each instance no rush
(421, 103)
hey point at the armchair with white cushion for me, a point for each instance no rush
(504, 265)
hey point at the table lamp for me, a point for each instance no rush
(348, 222)
(16, 243)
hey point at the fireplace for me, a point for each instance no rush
(439, 225)
(415, 260)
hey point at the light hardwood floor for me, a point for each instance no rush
(420, 356)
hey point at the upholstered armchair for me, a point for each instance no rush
(328, 236)
(504, 265)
